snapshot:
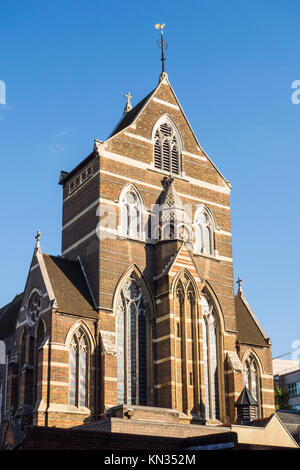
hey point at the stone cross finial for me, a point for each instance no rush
(128, 105)
(37, 237)
(239, 282)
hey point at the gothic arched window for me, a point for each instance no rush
(186, 347)
(204, 232)
(131, 213)
(210, 358)
(251, 377)
(78, 369)
(166, 148)
(131, 321)
(40, 336)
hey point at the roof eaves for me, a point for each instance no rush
(147, 99)
(64, 175)
(216, 168)
(254, 317)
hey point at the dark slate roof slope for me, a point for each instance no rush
(246, 398)
(129, 117)
(69, 285)
(8, 317)
(248, 330)
(291, 420)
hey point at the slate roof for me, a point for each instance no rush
(69, 285)
(249, 330)
(246, 398)
(129, 117)
(8, 317)
(291, 420)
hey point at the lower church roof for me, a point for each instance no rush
(8, 317)
(70, 287)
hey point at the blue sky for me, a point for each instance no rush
(67, 65)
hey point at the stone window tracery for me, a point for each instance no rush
(131, 321)
(210, 358)
(204, 232)
(78, 369)
(34, 307)
(131, 213)
(166, 149)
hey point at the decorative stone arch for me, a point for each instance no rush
(209, 292)
(76, 326)
(125, 206)
(81, 351)
(260, 371)
(133, 309)
(167, 146)
(185, 318)
(252, 352)
(178, 275)
(203, 208)
(166, 118)
(133, 268)
(199, 228)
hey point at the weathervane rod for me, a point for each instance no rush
(161, 27)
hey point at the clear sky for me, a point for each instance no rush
(67, 65)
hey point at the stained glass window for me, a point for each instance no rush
(251, 376)
(78, 369)
(210, 358)
(132, 344)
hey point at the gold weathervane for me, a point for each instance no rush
(161, 44)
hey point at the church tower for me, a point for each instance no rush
(139, 311)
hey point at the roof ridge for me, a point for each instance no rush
(128, 118)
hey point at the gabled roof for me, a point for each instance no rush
(249, 329)
(129, 118)
(246, 399)
(69, 285)
(291, 420)
(8, 317)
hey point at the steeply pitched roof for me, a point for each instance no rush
(246, 398)
(129, 117)
(291, 420)
(69, 286)
(249, 329)
(8, 317)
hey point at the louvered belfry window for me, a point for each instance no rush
(166, 149)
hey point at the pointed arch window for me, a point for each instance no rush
(167, 154)
(186, 347)
(132, 329)
(131, 213)
(251, 377)
(210, 359)
(78, 369)
(40, 337)
(204, 232)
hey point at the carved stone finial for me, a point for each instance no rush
(239, 282)
(128, 105)
(37, 237)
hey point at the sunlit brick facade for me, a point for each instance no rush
(132, 312)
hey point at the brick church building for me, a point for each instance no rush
(137, 320)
